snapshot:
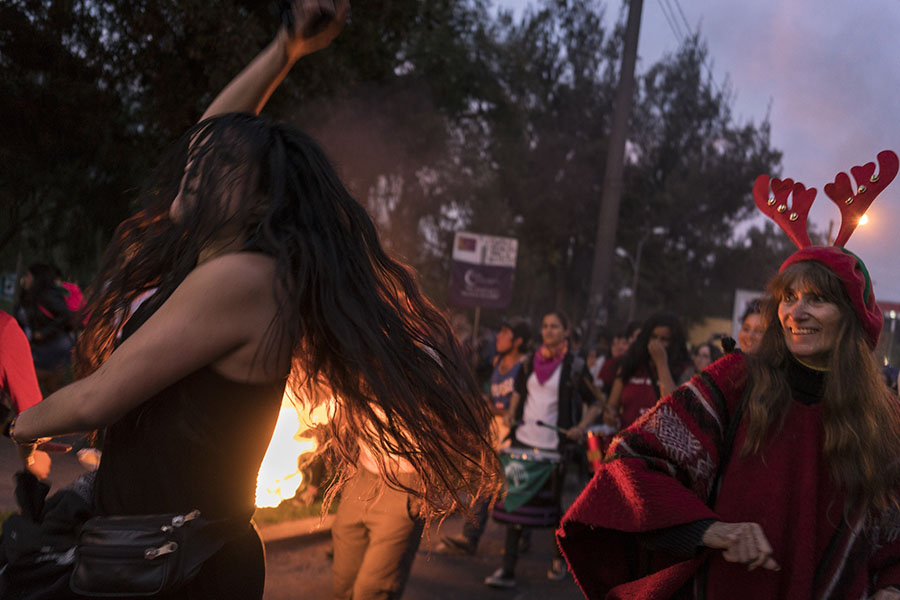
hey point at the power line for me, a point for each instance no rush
(675, 27)
(669, 21)
(681, 12)
(681, 33)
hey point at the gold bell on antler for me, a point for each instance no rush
(771, 200)
(793, 216)
(873, 178)
(782, 207)
(849, 201)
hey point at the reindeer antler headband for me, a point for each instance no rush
(771, 197)
(852, 204)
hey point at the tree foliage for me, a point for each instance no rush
(441, 115)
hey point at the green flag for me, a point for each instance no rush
(523, 479)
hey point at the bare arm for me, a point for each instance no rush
(510, 416)
(611, 414)
(660, 358)
(219, 311)
(251, 88)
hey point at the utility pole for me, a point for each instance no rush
(607, 223)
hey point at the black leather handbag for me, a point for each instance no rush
(145, 555)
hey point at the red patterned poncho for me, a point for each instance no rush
(659, 473)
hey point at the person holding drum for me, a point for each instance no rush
(546, 415)
(769, 475)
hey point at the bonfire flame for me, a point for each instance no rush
(279, 475)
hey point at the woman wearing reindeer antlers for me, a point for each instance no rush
(262, 271)
(766, 476)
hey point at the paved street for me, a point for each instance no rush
(299, 571)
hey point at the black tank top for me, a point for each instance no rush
(196, 444)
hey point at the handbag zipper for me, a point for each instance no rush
(129, 551)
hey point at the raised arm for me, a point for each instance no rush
(315, 24)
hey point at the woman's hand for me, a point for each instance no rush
(657, 352)
(611, 417)
(39, 464)
(316, 23)
(575, 433)
(743, 543)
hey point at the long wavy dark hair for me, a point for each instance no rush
(860, 414)
(637, 355)
(360, 328)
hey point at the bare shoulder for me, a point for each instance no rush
(240, 277)
(238, 269)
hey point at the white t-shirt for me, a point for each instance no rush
(542, 404)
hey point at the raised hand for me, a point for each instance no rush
(657, 351)
(314, 24)
(743, 543)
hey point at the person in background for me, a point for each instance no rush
(19, 389)
(597, 356)
(649, 370)
(619, 346)
(47, 321)
(376, 531)
(752, 328)
(704, 355)
(511, 344)
(550, 408)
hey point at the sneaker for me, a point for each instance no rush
(500, 579)
(557, 570)
(455, 545)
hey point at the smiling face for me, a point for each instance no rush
(810, 323)
(751, 334)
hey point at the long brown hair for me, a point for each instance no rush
(861, 416)
(358, 323)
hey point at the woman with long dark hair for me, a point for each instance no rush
(250, 262)
(770, 475)
(648, 371)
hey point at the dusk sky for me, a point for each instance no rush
(831, 71)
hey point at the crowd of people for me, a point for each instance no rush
(771, 471)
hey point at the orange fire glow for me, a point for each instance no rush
(279, 478)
